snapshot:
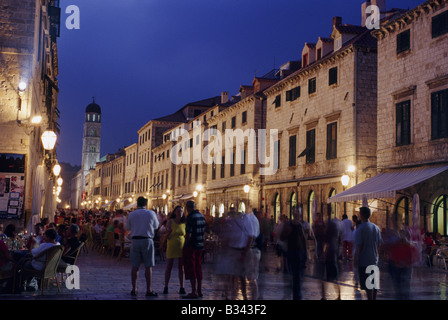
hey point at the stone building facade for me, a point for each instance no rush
(323, 115)
(28, 90)
(413, 109)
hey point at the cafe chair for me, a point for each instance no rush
(53, 257)
(125, 247)
(9, 275)
(442, 256)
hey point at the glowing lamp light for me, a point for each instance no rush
(345, 180)
(22, 86)
(199, 187)
(130, 199)
(195, 194)
(351, 168)
(60, 181)
(49, 139)
(246, 188)
(163, 196)
(36, 119)
(57, 169)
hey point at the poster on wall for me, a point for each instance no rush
(12, 185)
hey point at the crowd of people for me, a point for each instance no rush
(244, 239)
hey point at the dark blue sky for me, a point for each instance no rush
(143, 59)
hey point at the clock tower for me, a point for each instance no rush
(91, 138)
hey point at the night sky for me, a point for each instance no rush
(143, 59)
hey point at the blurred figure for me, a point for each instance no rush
(402, 256)
(253, 257)
(331, 252)
(35, 240)
(175, 227)
(280, 245)
(347, 238)
(296, 255)
(367, 240)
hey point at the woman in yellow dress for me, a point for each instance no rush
(175, 236)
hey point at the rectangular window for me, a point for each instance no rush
(278, 101)
(333, 76)
(185, 177)
(189, 176)
(312, 85)
(244, 117)
(403, 41)
(293, 94)
(223, 127)
(223, 168)
(276, 154)
(243, 161)
(232, 165)
(332, 140)
(178, 178)
(292, 150)
(403, 123)
(439, 114)
(440, 24)
(310, 145)
(233, 122)
(213, 171)
(196, 173)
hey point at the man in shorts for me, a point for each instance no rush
(367, 240)
(142, 224)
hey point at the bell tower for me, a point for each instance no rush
(91, 140)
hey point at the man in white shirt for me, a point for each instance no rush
(142, 225)
(347, 237)
(48, 241)
(252, 262)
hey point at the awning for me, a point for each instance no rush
(385, 185)
(107, 204)
(186, 196)
(130, 206)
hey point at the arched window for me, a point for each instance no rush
(292, 203)
(333, 209)
(402, 213)
(221, 209)
(242, 207)
(277, 207)
(439, 215)
(310, 207)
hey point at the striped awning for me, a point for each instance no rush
(385, 185)
(107, 204)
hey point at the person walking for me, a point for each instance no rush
(175, 228)
(347, 238)
(193, 249)
(142, 224)
(296, 255)
(367, 240)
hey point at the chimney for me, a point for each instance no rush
(224, 97)
(337, 21)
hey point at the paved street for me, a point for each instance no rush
(105, 278)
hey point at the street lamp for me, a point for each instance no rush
(60, 181)
(49, 139)
(57, 169)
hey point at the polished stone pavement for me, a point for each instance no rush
(103, 277)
